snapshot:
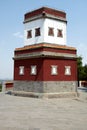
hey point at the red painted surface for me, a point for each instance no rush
(61, 70)
(60, 50)
(27, 72)
(84, 83)
(44, 69)
(46, 10)
(9, 84)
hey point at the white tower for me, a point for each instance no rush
(45, 25)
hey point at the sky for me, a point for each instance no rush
(12, 28)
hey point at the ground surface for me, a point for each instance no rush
(20, 113)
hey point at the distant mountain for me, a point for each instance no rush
(4, 80)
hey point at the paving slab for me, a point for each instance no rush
(24, 113)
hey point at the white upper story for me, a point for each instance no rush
(45, 25)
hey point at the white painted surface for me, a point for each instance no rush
(31, 26)
(56, 25)
(3, 86)
(44, 24)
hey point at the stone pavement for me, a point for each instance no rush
(22, 113)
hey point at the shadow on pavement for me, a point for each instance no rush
(83, 89)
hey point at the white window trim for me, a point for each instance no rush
(21, 70)
(67, 70)
(54, 70)
(33, 70)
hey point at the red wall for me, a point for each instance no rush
(61, 70)
(44, 69)
(27, 65)
(9, 84)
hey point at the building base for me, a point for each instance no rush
(45, 89)
(44, 95)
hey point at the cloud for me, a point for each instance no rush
(18, 35)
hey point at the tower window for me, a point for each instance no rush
(54, 70)
(37, 32)
(21, 70)
(29, 34)
(51, 31)
(67, 70)
(59, 33)
(33, 70)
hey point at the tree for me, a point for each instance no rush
(0, 87)
(85, 72)
(80, 69)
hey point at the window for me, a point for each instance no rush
(33, 70)
(29, 34)
(67, 70)
(51, 31)
(54, 70)
(59, 33)
(21, 70)
(37, 32)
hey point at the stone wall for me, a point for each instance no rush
(46, 86)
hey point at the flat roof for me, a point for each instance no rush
(44, 11)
